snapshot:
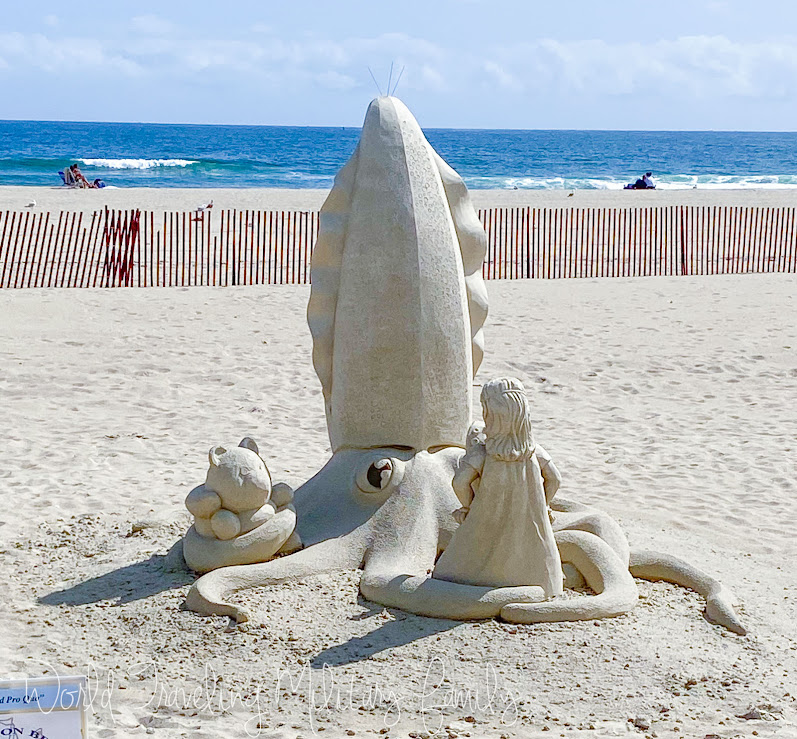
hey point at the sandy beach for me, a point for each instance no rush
(667, 402)
(186, 199)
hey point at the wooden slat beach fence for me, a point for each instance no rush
(552, 243)
(70, 250)
(232, 247)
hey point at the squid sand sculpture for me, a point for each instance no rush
(396, 313)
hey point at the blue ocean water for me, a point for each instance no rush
(160, 155)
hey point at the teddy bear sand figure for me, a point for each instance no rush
(506, 537)
(239, 518)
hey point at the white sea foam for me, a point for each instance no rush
(728, 182)
(310, 177)
(136, 163)
(665, 182)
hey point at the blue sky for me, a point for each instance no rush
(672, 64)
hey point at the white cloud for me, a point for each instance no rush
(336, 81)
(51, 20)
(63, 55)
(687, 67)
(698, 66)
(236, 56)
(502, 77)
(152, 24)
(278, 62)
(430, 78)
(340, 65)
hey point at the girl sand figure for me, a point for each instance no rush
(506, 537)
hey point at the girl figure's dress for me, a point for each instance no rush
(506, 538)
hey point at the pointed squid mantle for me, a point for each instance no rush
(397, 301)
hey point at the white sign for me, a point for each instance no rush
(43, 708)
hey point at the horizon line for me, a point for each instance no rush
(424, 128)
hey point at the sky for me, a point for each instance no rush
(567, 64)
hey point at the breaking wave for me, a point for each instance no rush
(136, 163)
(663, 182)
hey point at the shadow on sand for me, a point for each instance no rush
(401, 629)
(167, 572)
(127, 584)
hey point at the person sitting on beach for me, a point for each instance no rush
(643, 183)
(68, 177)
(80, 178)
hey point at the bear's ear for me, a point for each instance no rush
(250, 444)
(214, 454)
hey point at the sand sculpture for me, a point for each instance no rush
(505, 537)
(239, 518)
(396, 314)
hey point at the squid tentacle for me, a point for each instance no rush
(599, 524)
(427, 596)
(719, 600)
(209, 594)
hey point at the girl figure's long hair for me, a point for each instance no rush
(507, 424)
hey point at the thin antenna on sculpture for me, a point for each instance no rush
(397, 81)
(390, 78)
(375, 82)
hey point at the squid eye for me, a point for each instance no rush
(379, 473)
(377, 476)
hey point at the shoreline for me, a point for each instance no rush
(15, 197)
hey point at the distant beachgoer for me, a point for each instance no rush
(643, 183)
(80, 178)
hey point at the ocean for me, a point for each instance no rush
(166, 155)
